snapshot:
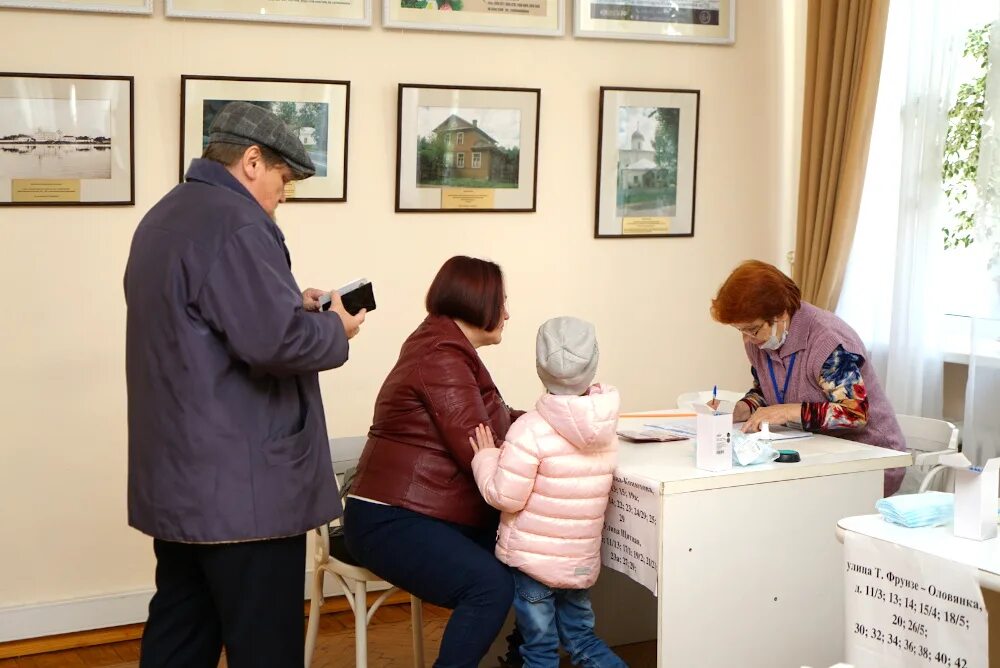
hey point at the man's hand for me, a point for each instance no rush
(310, 299)
(352, 323)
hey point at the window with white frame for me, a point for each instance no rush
(477, 160)
(460, 160)
(459, 138)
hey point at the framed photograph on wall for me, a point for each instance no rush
(110, 6)
(647, 155)
(518, 17)
(707, 21)
(316, 109)
(66, 140)
(466, 148)
(329, 12)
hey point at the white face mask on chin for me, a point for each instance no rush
(773, 342)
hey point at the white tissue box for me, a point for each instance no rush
(714, 445)
(975, 496)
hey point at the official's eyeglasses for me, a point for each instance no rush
(753, 331)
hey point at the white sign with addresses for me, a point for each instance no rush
(631, 529)
(908, 608)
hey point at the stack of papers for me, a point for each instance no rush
(649, 435)
(928, 509)
(681, 429)
(688, 428)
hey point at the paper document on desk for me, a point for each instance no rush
(683, 427)
(649, 435)
(779, 433)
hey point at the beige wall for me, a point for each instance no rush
(62, 474)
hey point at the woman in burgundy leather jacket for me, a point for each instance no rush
(415, 516)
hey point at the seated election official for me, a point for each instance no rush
(810, 369)
(414, 515)
(228, 458)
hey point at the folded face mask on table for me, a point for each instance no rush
(918, 510)
(750, 449)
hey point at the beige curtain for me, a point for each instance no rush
(843, 62)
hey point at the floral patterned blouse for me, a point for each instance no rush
(846, 406)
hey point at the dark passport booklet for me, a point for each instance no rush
(356, 295)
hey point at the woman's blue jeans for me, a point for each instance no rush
(548, 617)
(440, 562)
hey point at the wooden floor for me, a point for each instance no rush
(388, 645)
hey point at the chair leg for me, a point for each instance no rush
(417, 622)
(360, 625)
(315, 600)
(925, 484)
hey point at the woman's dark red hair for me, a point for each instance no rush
(470, 290)
(755, 290)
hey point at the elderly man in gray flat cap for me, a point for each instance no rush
(229, 464)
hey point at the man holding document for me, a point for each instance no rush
(229, 463)
(810, 369)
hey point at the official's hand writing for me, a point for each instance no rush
(482, 440)
(310, 299)
(740, 411)
(352, 323)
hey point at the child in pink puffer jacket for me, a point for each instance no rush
(551, 478)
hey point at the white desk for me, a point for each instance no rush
(749, 570)
(940, 542)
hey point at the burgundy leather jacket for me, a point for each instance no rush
(418, 454)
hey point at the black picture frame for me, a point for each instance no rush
(653, 178)
(79, 131)
(500, 177)
(202, 96)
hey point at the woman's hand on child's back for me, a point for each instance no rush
(483, 439)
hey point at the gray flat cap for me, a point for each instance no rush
(247, 124)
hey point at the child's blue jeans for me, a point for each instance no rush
(548, 617)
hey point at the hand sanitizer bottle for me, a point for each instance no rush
(765, 434)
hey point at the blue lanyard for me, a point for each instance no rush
(774, 383)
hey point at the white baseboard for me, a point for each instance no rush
(97, 612)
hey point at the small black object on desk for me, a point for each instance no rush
(788, 457)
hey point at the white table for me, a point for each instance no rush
(941, 542)
(984, 555)
(749, 570)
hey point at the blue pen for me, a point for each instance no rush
(715, 393)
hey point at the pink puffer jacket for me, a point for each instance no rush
(551, 478)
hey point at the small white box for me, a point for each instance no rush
(976, 489)
(714, 445)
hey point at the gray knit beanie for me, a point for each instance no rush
(566, 355)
